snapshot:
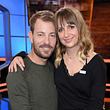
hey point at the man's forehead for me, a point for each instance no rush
(42, 21)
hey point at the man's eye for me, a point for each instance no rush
(53, 35)
(39, 34)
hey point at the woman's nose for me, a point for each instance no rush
(66, 32)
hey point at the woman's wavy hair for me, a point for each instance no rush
(72, 15)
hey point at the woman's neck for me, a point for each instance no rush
(72, 52)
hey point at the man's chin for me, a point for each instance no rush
(45, 56)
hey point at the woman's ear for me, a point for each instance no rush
(31, 36)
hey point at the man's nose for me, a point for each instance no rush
(47, 39)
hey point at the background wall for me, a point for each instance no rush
(18, 26)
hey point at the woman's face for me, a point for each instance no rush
(68, 34)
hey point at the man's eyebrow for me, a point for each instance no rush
(52, 32)
(44, 32)
(40, 32)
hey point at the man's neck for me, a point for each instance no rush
(36, 59)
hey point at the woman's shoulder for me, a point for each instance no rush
(91, 56)
(95, 58)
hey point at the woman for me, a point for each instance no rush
(80, 73)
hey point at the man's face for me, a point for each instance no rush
(43, 38)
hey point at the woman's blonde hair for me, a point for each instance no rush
(73, 16)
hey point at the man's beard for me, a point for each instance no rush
(39, 54)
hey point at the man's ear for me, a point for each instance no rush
(31, 36)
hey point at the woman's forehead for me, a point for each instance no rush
(65, 22)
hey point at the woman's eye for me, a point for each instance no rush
(60, 29)
(72, 26)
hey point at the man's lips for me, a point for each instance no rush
(46, 46)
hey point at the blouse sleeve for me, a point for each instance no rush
(98, 86)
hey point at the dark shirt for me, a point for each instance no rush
(83, 91)
(33, 88)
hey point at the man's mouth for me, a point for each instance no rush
(46, 46)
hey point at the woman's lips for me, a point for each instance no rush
(68, 40)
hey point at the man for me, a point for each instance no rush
(34, 88)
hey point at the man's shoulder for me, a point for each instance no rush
(19, 72)
(27, 63)
(15, 76)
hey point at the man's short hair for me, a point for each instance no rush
(44, 15)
